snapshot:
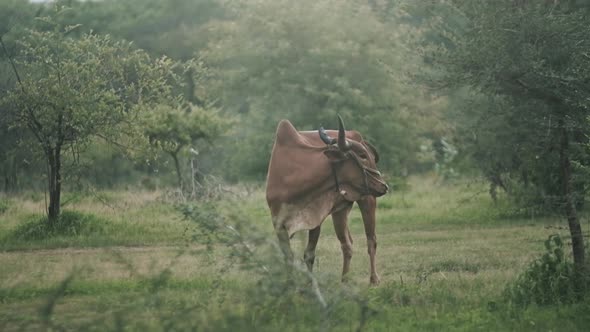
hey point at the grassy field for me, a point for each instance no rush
(133, 261)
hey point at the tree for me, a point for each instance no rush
(530, 59)
(173, 129)
(72, 90)
(175, 28)
(13, 14)
(307, 61)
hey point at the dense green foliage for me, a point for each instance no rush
(299, 67)
(309, 61)
(172, 130)
(525, 66)
(280, 59)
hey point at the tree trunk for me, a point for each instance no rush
(494, 192)
(11, 175)
(569, 201)
(190, 86)
(191, 95)
(177, 165)
(14, 175)
(54, 159)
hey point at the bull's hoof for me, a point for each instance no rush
(374, 281)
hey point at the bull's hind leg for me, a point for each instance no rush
(340, 219)
(368, 206)
(284, 243)
(309, 254)
(283, 236)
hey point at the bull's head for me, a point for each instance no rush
(354, 165)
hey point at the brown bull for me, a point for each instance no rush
(312, 175)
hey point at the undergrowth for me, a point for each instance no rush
(4, 205)
(550, 279)
(233, 237)
(69, 223)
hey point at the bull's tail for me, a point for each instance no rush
(349, 236)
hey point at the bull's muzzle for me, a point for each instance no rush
(378, 187)
(382, 190)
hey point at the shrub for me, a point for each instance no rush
(281, 292)
(69, 223)
(4, 205)
(548, 280)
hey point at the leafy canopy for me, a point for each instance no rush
(308, 61)
(523, 68)
(173, 128)
(73, 89)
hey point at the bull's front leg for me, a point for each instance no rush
(368, 205)
(309, 254)
(340, 219)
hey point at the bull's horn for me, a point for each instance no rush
(343, 144)
(325, 137)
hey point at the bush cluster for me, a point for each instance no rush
(69, 223)
(550, 279)
(4, 205)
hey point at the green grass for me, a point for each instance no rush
(446, 254)
(101, 220)
(79, 288)
(225, 306)
(69, 224)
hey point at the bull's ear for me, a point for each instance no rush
(374, 150)
(335, 155)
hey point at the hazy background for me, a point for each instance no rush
(135, 137)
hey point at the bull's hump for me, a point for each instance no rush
(286, 133)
